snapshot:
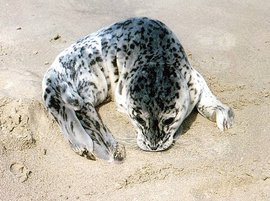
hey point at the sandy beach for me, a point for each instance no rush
(228, 42)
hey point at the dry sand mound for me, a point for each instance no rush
(21, 122)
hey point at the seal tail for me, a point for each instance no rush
(80, 122)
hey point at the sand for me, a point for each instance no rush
(227, 41)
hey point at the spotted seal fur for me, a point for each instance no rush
(141, 64)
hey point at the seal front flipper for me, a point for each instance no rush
(79, 121)
(104, 144)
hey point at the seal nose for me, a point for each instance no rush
(153, 147)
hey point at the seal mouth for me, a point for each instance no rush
(156, 145)
(154, 148)
(158, 150)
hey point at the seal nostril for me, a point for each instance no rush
(154, 148)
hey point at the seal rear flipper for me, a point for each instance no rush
(210, 107)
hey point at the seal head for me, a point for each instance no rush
(158, 102)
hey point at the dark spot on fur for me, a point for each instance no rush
(49, 81)
(48, 91)
(54, 103)
(120, 88)
(71, 126)
(99, 59)
(45, 97)
(125, 75)
(93, 62)
(114, 62)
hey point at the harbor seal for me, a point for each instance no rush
(141, 64)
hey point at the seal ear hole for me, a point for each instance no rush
(168, 121)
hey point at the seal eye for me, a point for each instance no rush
(140, 120)
(168, 121)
